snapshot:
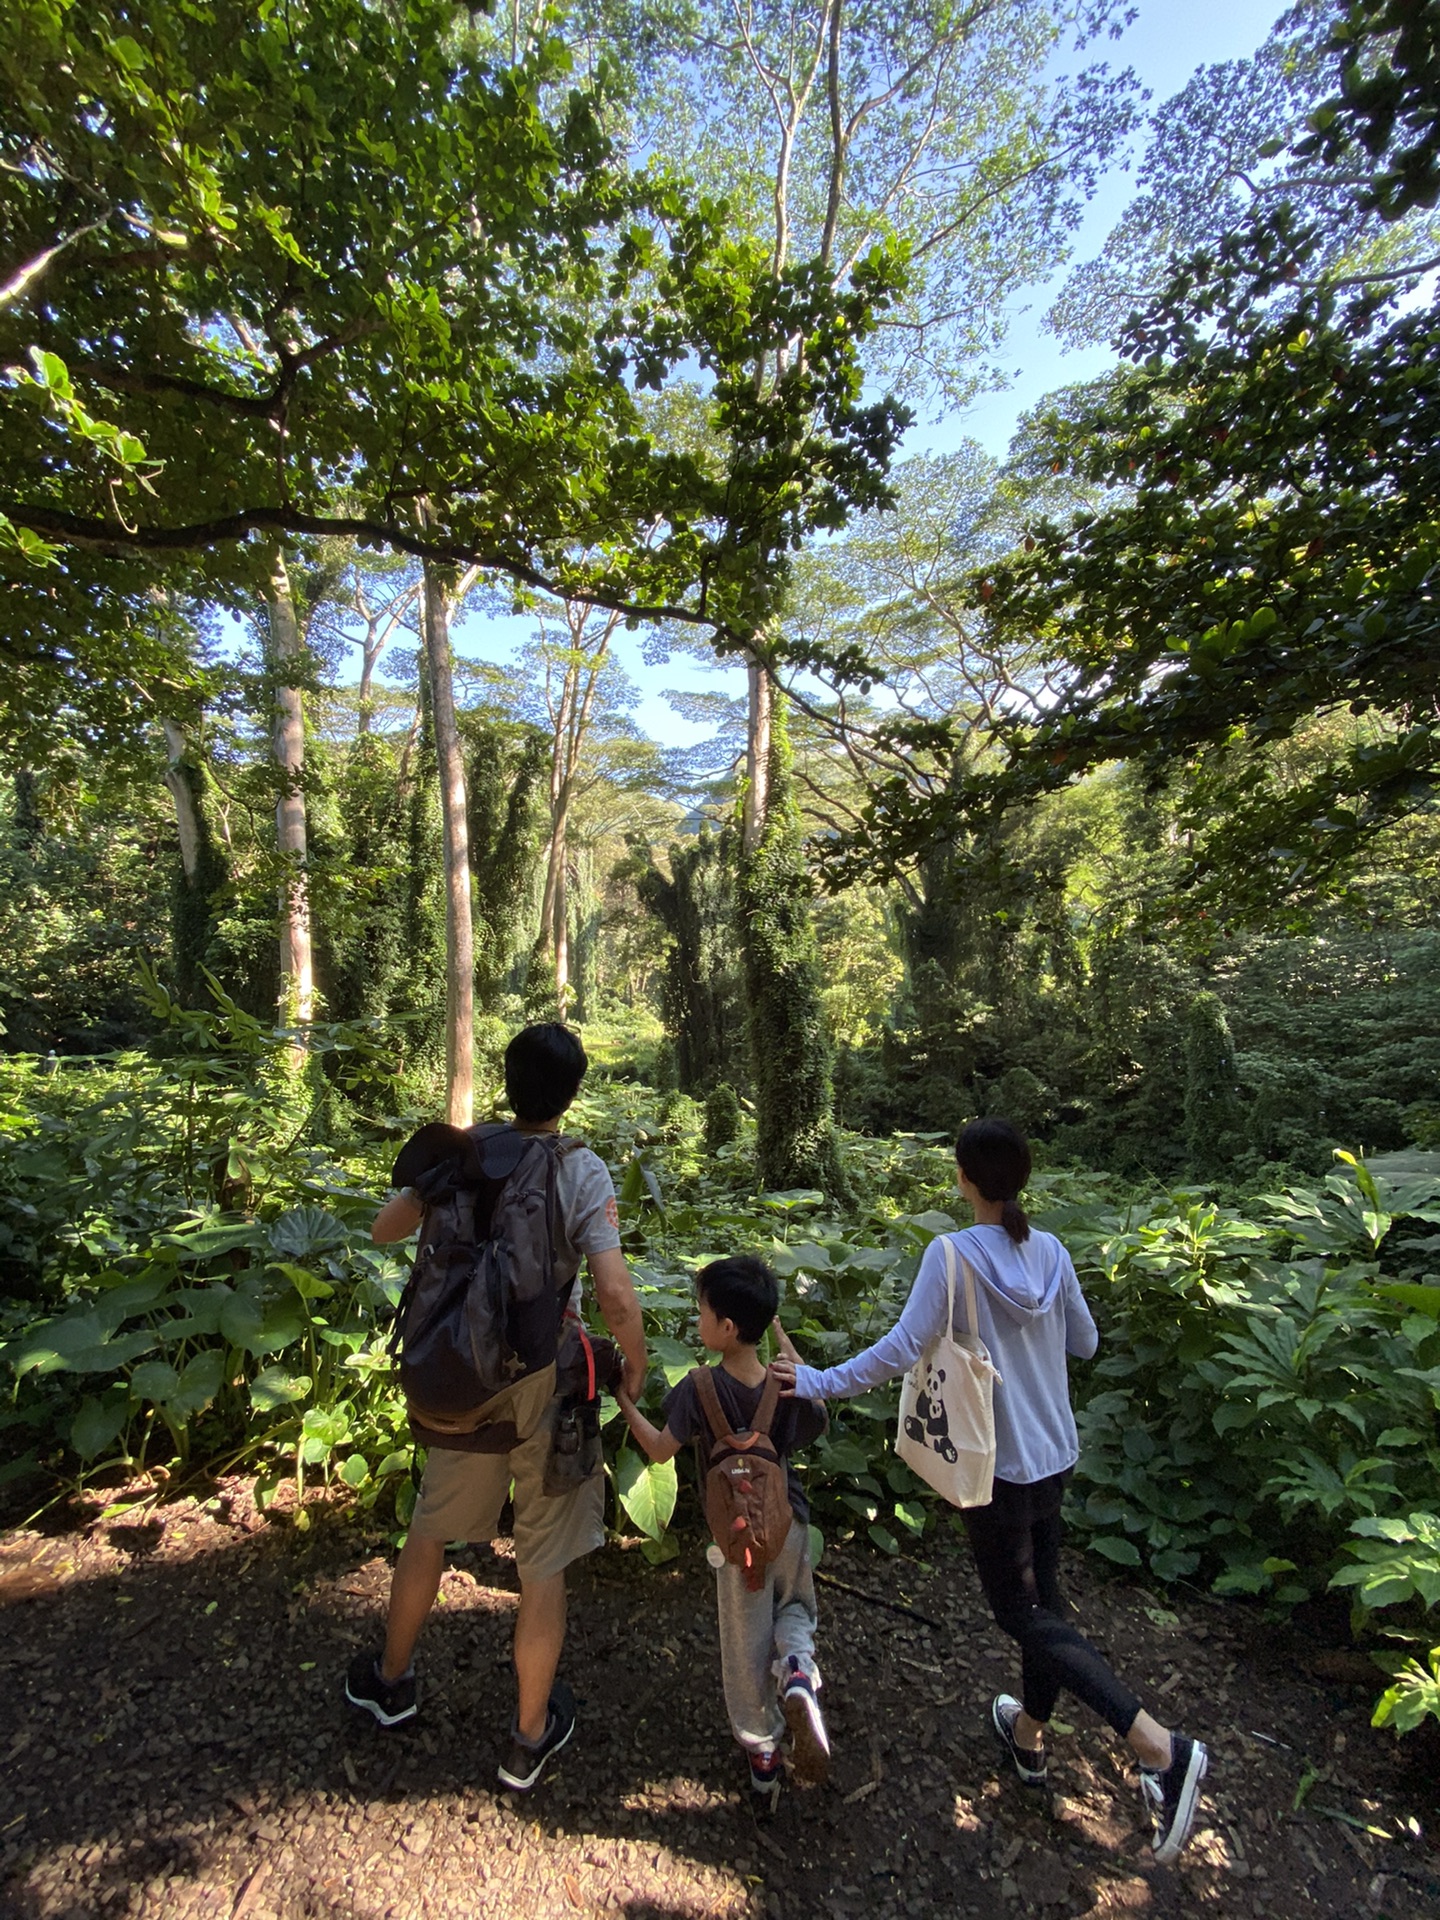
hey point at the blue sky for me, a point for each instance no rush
(1166, 43)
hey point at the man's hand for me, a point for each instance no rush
(633, 1385)
(620, 1310)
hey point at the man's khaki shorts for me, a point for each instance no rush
(462, 1494)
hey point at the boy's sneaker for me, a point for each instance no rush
(391, 1701)
(1174, 1795)
(1029, 1762)
(765, 1775)
(809, 1742)
(523, 1764)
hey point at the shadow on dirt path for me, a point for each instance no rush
(173, 1742)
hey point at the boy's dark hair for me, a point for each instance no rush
(743, 1289)
(544, 1066)
(996, 1156)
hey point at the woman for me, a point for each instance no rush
(1031, 1315)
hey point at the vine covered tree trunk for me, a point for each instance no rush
(759, 706)
(702, 997)
(1214, 1116)
(459, 927)
(789, 1047)
(202, 867)
(297, 965)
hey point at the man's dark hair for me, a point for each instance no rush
(743, 1289)
(544, 1066)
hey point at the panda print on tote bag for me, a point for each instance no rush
(947, 1411)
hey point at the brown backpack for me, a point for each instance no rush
(747, 1491)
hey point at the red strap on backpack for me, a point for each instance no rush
(589, 1351)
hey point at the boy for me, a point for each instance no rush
(767, 1639)
(468, 1477)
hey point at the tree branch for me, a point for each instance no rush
(105, 536)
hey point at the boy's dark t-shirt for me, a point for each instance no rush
(796, 1424)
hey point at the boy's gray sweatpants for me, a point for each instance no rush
(758, 1633)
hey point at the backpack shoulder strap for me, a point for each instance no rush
(710, 1402)
(769, 1404)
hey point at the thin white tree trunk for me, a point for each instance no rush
(297, 966)
(459, 925)
(561, 860)
(757, 758)
(187, 816)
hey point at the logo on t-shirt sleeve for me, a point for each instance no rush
(612, 1213)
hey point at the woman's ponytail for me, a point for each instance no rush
(995, 1156)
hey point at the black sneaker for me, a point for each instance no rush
(523, 1765)
(765, 1775)
(1174, 1795)
(1028, 1762)
(809, 1742)
(391, 1701)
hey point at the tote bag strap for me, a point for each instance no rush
(970, 1307)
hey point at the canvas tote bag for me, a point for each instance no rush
(947, 1412)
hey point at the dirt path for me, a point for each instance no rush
(173, 1742)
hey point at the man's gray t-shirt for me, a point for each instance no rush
(586, 1217)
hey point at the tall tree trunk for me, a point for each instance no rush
(297, 966)
(187, 807)
(560, 863)
(789, 1046)
(757, 758)
(203, 869)
(459, 926)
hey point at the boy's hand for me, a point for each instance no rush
(784, 1345)
(633, 1384)
(784, 1372)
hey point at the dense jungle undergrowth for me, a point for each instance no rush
(187, 1284)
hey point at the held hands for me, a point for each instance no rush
(784, 1372)
(786, 1361)
(633, 1384)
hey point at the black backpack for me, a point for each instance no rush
(481, 1309)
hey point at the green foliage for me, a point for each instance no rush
(186, 1270)
(1259, 550)
(1413, 1695)
(321, 162)
(1399, 1560)
(83, 899)
(1261, 1397)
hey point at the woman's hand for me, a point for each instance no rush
(784, 1345)
(784, 1372)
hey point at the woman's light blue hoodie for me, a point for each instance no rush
(1031, 1313)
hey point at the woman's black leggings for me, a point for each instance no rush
(1018, 1560)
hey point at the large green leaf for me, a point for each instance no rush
(199, 1384)
(154, 1380)
(275, 1386)
(209, 1242)
(248, 1320)
(304, 1231)
(647, 1490)
(96, 1424)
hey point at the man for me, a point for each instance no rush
(464, 1490)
